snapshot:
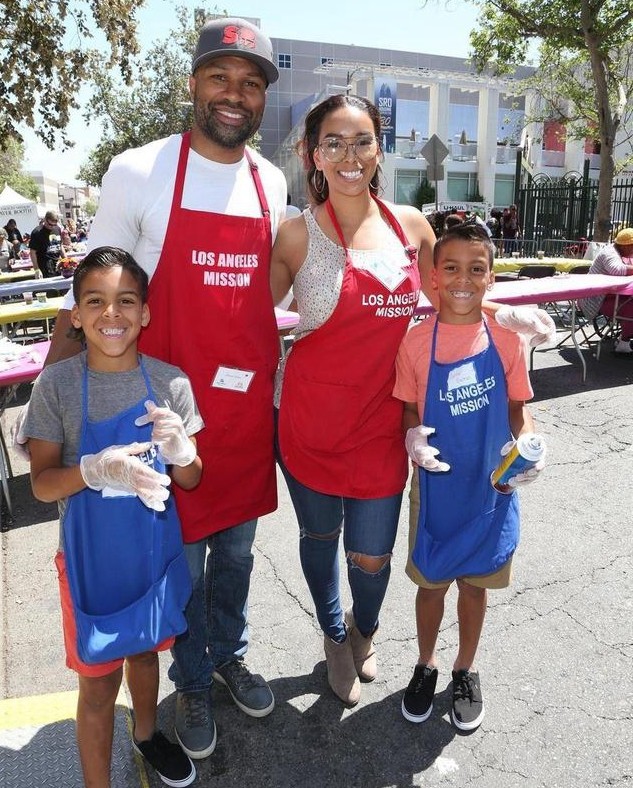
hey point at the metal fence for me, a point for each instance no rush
(565, 209)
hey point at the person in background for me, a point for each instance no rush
(14, 237)
(93, 424)
(45, 246)
(464, 381)
(6, 250)
(510, 230)
(199, 211)
(356, 264)
(615, 259)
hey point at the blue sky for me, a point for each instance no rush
(438, 27)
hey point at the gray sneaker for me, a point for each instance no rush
(249, 690)
(195, 726)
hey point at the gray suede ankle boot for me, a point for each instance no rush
(341, 672)
(363, 650)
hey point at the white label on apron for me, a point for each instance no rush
(462, 376)
(232, 379)
(389, 277)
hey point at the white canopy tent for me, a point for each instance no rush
(15, 206)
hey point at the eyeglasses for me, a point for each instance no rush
(336, 149)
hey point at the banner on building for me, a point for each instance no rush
(385, 100)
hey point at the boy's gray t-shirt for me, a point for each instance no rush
(55, 408)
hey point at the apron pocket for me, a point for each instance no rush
(141, 626)
(323, 415)
(479, 547)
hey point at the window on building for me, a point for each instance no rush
(385, 65)
(284, 61)
(461, 185)
(327, 61)
(504, 190)
(407, 183)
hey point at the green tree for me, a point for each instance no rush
(155, 104)
(11, 160)
(585, 76)
(45, 56)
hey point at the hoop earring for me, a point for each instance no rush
(319, 189)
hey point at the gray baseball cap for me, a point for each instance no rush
(236, 37)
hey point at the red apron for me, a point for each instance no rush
(340, 428)
(212, 311)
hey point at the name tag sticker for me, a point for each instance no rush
(386, 275)
(233, 379)
(462, 376)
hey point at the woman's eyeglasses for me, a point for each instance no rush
(336, 149)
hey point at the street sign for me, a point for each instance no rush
(435, 172)
(434, 151)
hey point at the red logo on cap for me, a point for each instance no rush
(242, 36)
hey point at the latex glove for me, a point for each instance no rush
(525, 477)
(537, 326)
(169, 435)
(18, 439)
(120, 468)
(38, 274)
(420, 452)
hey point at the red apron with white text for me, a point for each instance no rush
(340, 427)
(211, 307)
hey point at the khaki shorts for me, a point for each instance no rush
(499, 579)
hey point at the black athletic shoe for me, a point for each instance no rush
(172, 765)
(468, 705)
(417, 703)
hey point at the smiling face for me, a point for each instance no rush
(111, 313)
(229, 95)
(352, 175)
(461, 275)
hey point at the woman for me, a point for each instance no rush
(355, 264)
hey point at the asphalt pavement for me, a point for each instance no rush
(555, 657)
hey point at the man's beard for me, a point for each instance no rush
(226, 136)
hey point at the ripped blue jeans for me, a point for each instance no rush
(369, 528)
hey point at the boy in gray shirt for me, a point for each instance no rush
(104, 427)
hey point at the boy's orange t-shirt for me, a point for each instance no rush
(455, 342)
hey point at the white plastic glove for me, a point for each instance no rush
(535, 324)
(120, 468)
(525, 477)
(420, 452)
(169, 435)
(18, 439)
(38, 274)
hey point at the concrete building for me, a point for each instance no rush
(479, 118)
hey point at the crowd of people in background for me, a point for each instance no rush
(44, 246)
(502, 226)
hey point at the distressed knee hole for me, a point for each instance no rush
(369, 563)
(320, 537)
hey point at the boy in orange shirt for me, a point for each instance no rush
(464, 381)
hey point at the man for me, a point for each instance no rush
(45, 245)
(615, 259)
(199, 212)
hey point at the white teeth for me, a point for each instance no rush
(228, 114)
(460, 294)
(351, 176)
(112, 332)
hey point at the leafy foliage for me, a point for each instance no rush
(585, 75)
(45, 54)
(11, 159)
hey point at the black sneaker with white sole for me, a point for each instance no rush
(417, 703)
(468, 705)
(168, 760)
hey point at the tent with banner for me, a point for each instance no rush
(15, 206)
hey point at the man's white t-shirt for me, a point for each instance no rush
(137, 192)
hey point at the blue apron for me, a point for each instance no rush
(465, 526)
(127, 573)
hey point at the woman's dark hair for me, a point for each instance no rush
(469, 232)
(106, 257)
(310, 140)
(110, 257)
